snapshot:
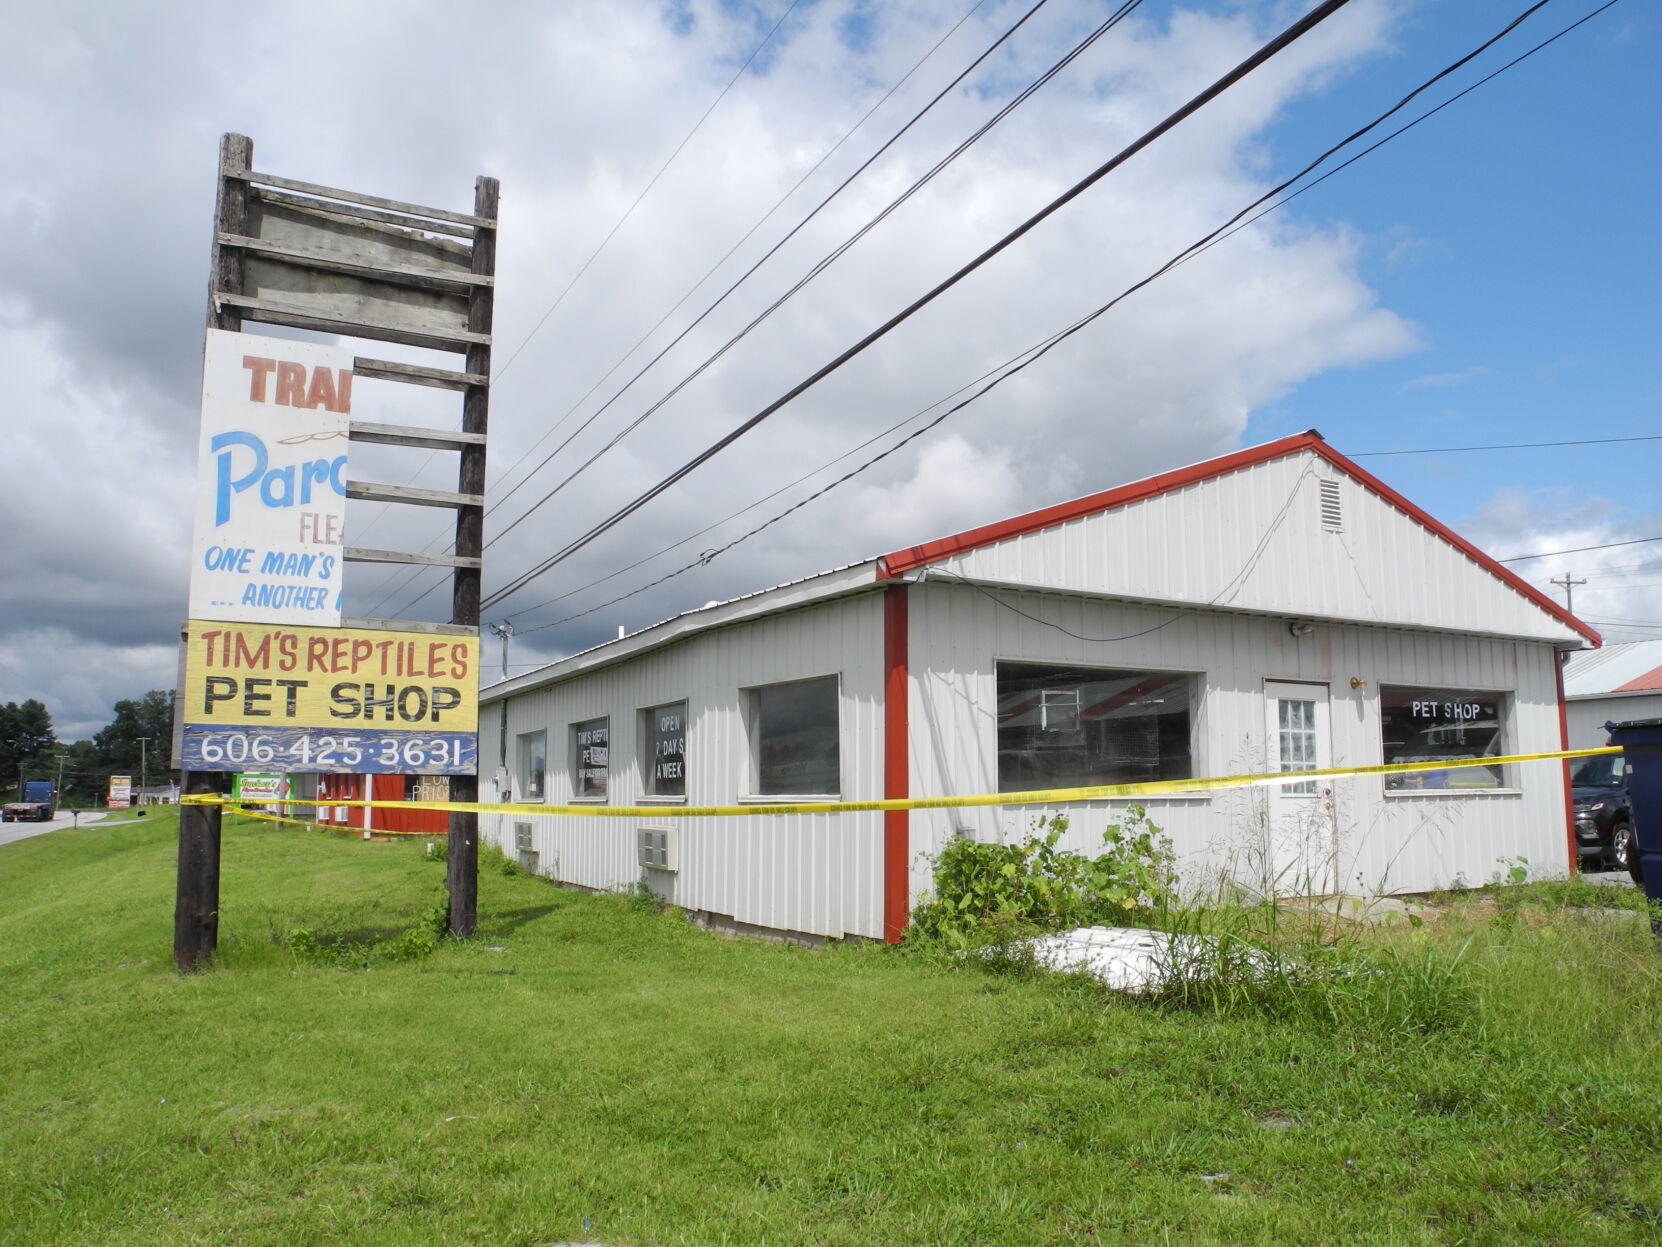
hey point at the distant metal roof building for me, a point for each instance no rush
(1635, 667)
(1615, 684)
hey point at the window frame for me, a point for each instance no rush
(1194, 687)
(649, 753)
(1505, 717)
(753, 728)
(578, 796)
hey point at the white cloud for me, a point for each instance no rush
(117, 112)
(1620, 585)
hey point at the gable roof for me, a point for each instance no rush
(954, 550)
(1125, 498)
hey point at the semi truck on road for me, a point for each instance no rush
(38, 803)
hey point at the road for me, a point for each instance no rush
(22, 831)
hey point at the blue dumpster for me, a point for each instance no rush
(1641, 742)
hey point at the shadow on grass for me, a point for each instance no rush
(507, 921)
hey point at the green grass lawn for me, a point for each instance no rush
(590, 1069)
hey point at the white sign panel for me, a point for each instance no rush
(271, 481)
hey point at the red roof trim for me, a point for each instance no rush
(1465, 547)
(1122, 495)
(902, 561)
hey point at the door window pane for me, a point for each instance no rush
(1430, 724)
(796, 738)
(1071, 727)
(1296, 721)
(591, 755)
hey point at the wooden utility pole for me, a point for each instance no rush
(196, 896)
(1568, 586)
(462, 861)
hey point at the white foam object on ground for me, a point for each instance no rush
(1127, 959)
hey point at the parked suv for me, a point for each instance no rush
(1603, 821)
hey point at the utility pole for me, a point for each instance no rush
(503, 630)
(143, 767)
(1568, 586)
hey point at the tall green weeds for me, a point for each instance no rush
(989, 893)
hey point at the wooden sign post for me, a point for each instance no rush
(352, 265)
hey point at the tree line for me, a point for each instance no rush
(136, 742)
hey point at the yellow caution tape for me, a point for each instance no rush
(1046, 796)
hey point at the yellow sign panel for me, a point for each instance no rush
(345, 679)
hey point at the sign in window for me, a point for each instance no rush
(666, 773)
(1432, 724)
(591, 752)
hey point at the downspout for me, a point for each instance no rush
(896, 774)
(1564, 744)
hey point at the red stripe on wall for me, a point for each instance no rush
(1564, 743)
(896, 771)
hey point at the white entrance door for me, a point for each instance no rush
(1300, 854)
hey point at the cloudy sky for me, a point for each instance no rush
(1488, 278)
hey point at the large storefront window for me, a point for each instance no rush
(1071, 727)
(794, 729)
(591, 759)
(533, 766)
(1436, 724)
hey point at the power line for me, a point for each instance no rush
(1022, 360)
(606, 241)
(797, 228)
(1450, 450)
(1423, 116)
(1299, 28)
(821, 265)
(1551, 554)
(745, 276)
(415, 573)
(647, 189)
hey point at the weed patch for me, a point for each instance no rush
(987, 894)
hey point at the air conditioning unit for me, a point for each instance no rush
(655, 848)
(522, 845)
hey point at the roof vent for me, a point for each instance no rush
(1333, 515)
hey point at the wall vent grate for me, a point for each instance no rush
(1332, 509)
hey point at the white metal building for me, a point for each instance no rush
(1276, 608)
(1611, 685)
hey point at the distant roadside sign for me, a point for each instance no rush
(262, 698)
(251, 786)
(271, 472)
(121, 792)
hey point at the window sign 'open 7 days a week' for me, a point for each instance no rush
(271, 483)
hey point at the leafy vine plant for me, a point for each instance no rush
(988, 892)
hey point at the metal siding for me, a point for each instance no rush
(1588, 715)
(1384, 567)
(1398, 843)
(816, 873)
